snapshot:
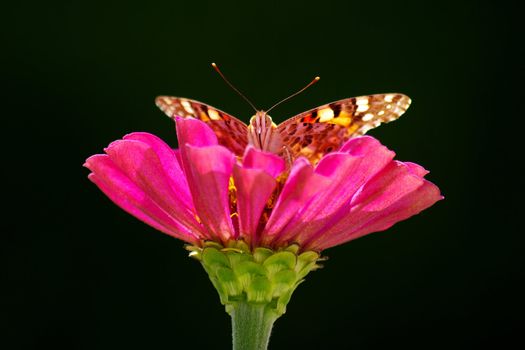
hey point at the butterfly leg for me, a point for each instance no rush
(287, 155)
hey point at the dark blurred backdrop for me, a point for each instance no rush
(79, 273)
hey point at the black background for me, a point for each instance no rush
(82, 274)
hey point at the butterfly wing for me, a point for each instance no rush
(231, 132)
(324, 129)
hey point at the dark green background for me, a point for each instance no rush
(82, 274)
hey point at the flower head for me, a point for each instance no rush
(202, 192)
(255, 223)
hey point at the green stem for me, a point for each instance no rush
(251, 326)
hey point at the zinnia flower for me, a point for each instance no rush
(257, 224)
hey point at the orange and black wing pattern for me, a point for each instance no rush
(231, 132)
(324, 129)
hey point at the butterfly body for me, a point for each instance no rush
(310, 134)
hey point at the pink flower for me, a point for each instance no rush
(202, 192)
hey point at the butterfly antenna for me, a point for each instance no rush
(316, 79)
(233, 87)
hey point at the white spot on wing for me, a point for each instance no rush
(367, 117)
(326, 114)
(362, 104)
(362, 108)
(187, 106)
(214, 115)
(361, 101)
(389, 98)
(365, 128)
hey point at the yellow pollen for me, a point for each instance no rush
(232, 192)
(231, 185)
(271, 202)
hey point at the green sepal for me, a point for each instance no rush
(260, 276)
(260, 254)
(280, 261)
(212, 258)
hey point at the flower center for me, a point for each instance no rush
(232, 193)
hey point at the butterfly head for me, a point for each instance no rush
(261, 125)
(261, 132)
(261, 121)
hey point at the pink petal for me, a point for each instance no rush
(416, 169)
(255, 182)
(127, 195)
(144, 167)
(411, 204)
(393, 183)
(343, 174)
(269, 162)
(169, 161)
(139, 162)
(302, 184)
(363, 145)
(254, 188)
(208, 170)
(179, 160)
(334, 185)
(194, 132)
(393, 195)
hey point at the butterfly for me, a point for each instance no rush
(310, 134)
